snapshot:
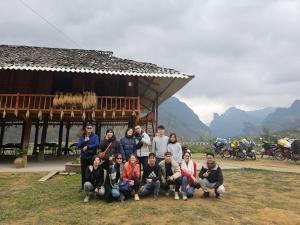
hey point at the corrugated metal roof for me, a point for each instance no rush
(78, 61)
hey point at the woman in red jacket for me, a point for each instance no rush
(188, 170)
(131, 174)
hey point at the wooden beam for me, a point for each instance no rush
(68, 127)
(49, 176)
(36, 136)
(60, 136)
(41, 156)
(25, 139)
(2, 131)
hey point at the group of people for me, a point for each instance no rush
(120, 170)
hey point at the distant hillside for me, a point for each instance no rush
(236, 122)
(179, 118)
(283, 118)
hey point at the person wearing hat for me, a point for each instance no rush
(109, 144)
(170, 174)
(88, 143)
(95, 177)
(188, 171)
(160, 143)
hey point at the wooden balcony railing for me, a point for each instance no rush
(44, 103)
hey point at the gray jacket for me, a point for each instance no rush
(159, 146)
(144, 150)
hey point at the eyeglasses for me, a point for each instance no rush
(119, 158)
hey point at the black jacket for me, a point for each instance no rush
(113, 149)
(215, 175)
(96, 176)
(152, 172)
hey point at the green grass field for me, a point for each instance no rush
(253, 197)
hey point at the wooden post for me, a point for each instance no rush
(97, 128)
(41, 155)
(68, 127)
(25, 139)
(60, 136)
(36, 136)
(2, 133)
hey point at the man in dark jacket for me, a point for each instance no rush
(151, 177)
(94, 179)
(211, 177)
(88, 143)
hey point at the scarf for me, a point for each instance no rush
(188, 168)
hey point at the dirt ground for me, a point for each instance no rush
(252, 197)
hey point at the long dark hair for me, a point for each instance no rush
(129, 128)
(172, 134)
(109, 130)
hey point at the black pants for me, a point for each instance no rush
(84, 164)
(176, 182)
(136, 186)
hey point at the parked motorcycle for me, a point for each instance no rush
(249, 147)
(218, 146)
(284, 150)
(233, 150)
(268, 148)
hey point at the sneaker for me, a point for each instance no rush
(136, 197)
(86, 199)
(184, 197)
(205, 194)
(176, 197)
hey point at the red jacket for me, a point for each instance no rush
(131, 172)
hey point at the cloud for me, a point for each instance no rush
(243, 53)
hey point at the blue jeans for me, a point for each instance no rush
(154, 187)
(189, 191)
(143, 161)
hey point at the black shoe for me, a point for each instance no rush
(205, 194)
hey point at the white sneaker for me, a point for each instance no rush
(176, 197)
(86, 199)
(184, 197)
(136, 197)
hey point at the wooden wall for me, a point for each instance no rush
(35, 82)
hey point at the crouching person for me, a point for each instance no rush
(131, 174)
(170, 174)
(151, 177)
(94, 180)
(211, 177)
(188, 171)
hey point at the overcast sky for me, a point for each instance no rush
(243, 53)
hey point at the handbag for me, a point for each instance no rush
(102, 154)
(124, 186)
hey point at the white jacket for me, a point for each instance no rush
(144, 150)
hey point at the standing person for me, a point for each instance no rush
(128, 144)
(188, 171)
(110, 144)
(211, 177)
(131, 174)
(142, 145)
(160, 143)
(175, 148)
(151, 177)
(88, 144)
(94, 179)
(170, 174)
